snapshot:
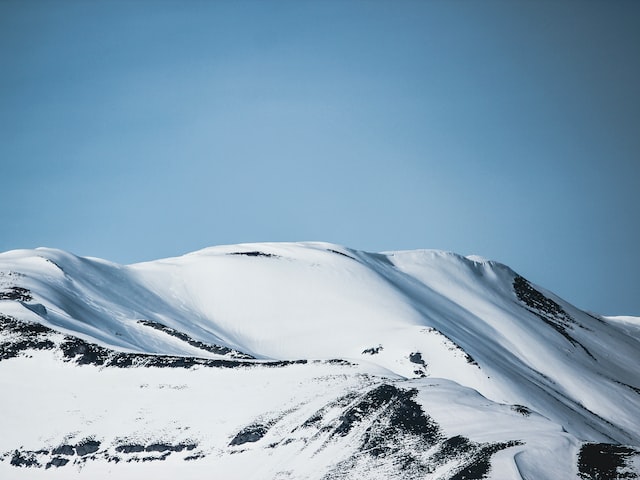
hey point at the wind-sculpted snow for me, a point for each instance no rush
(19, 338)
(195, 343)
(308, 361)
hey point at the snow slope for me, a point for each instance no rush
(458, 364)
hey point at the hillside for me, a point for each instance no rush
(308, 361)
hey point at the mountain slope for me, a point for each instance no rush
(450, 367)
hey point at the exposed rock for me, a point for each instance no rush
(416, 357)
(87, 446)
(521, 409)
(373, 350)
(24, 459)
(165, 447)
(22, 336)
(546, 310)
(254, 254)
(57, 462)
(218, 349)
(252, 433)
(130, 448)
(64, 450)
(16, 293)
(340, 253)
(602, 461)
(397, 435)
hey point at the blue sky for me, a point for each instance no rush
(139, 130)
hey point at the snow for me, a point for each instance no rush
(482, 351)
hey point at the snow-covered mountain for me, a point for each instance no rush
(307, 361)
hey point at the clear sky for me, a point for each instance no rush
(144, 129)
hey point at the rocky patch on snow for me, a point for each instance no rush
(90, 449)
(546, 310)
(395, 435)
(208, 347)
(605, 461)
(18, 338)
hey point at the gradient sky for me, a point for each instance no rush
(144, 129)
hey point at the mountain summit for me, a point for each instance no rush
(308, 361)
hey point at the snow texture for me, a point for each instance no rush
(308, 361)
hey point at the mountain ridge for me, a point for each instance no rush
(417, 317)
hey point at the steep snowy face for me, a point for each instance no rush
(435, 321)
(283, 301)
